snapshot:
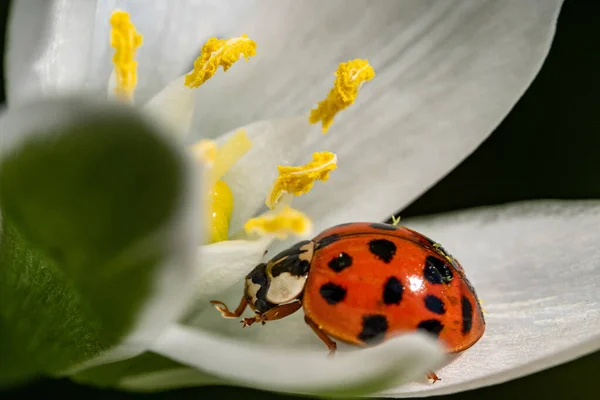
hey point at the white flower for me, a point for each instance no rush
(446, 75)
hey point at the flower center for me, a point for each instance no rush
(281, 220)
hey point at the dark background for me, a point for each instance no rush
(547, 147)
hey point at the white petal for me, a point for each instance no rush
(176, 378)
(402, 359)
(174, 106)
(222, 265)
(173, 287)
(274, 142)
(535, 266)
(48, 47)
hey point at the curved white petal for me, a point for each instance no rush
(402, 359)
(176, 378)
(274, 142)
(173, 285)
(48, 47)
(535, 266)
(223, 265)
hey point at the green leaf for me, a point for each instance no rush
(90, 213)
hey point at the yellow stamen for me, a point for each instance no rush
(395, 220)
(280, 224)
(218, 161)
(230, 153)
(299, 180)
(219, 52)
(125, 40)
(221, 207)
(349, 77)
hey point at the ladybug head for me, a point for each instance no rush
(280, 280)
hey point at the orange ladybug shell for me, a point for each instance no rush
(371, 281)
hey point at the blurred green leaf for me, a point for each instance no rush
(77, 262)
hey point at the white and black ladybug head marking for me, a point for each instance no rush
(281, 280)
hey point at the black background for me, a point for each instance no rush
(547, 147)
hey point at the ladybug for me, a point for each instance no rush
(363, 283)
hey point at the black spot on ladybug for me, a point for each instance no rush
(327, 240)
(384, 227)
(332, 293)
(436, 271)
(435, 304)
(340, 263)
(432, 326)
(373, 328)
(467, 315)
(383, 249)
(392, 291)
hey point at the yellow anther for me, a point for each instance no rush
(395, 220)
(125, 40)
(219, 52)
(299, 180)
(221, 207)
(280, 224)
(349, 77)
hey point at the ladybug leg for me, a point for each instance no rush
(331, 345)
(219, 305)
(274, 313)
(431, 375)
